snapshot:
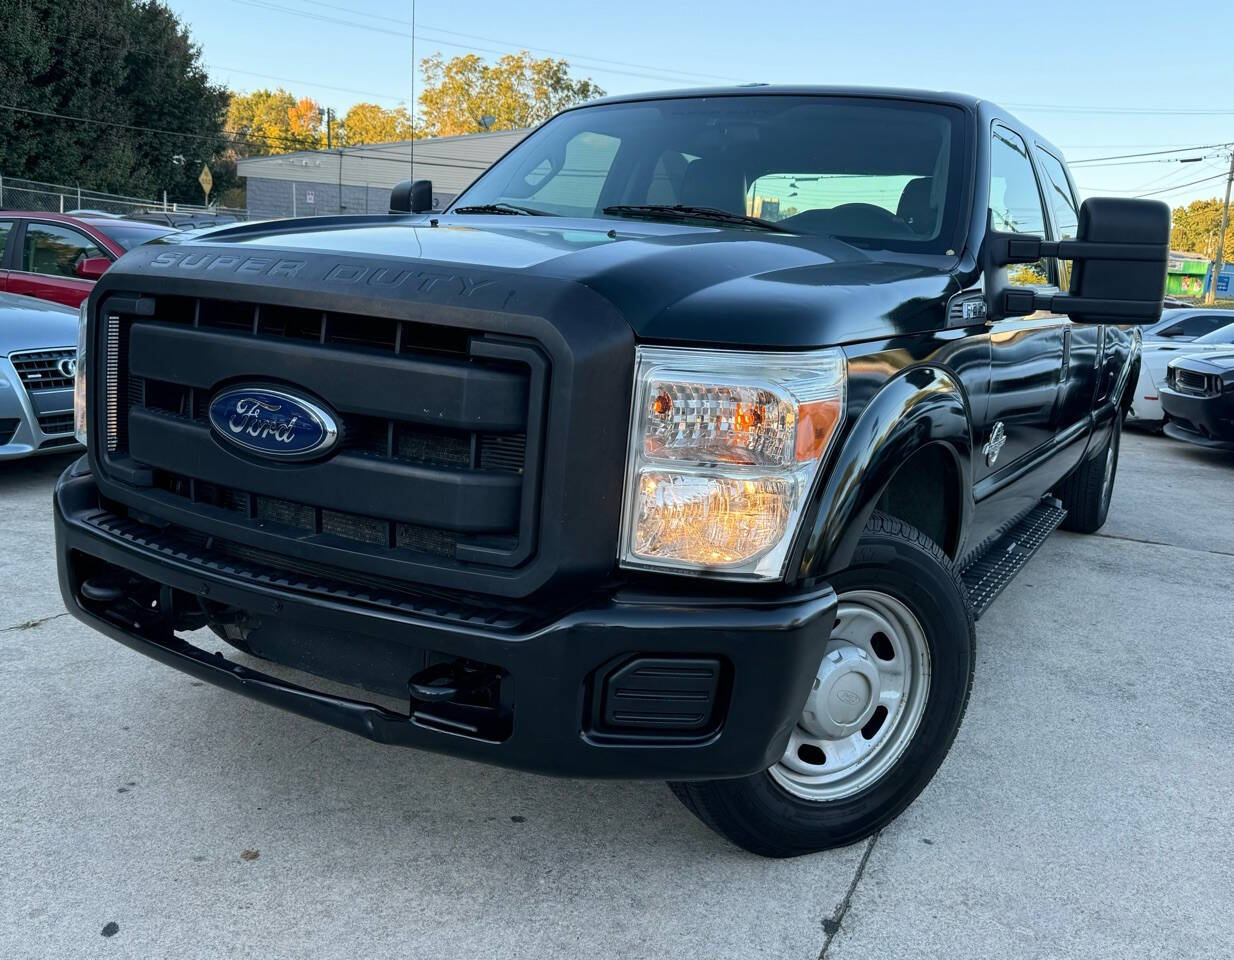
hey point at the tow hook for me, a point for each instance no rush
(450, 681)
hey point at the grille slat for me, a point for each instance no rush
(56, 423)
(40, 370)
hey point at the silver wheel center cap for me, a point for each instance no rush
(845, 693)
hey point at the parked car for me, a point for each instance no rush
(1146, 408)
(38, 360)
(1185, 324)
(1198, 399)
(183, 220)
(56, 257)
(687, 443)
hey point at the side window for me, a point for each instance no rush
(1200, 324)
(1063, 203)
(6, 227)
(56, 251)
(1015, 201)
(574, 190)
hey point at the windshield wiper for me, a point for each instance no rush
(680, 211)
(507, 209)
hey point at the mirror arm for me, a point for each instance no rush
(1018, 248)
(1065, 303)
(1021, 301)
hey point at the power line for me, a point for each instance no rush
(1140, 163)
(1151, 153)
(524, 46)
(310, 83)
(1152, 193)
(266, 5)
(440, 161)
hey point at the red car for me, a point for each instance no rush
(55, 257)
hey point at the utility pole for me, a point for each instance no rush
(1211, 297)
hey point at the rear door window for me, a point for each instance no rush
(6, 228)
(1063, 204)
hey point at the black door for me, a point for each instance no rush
(1026, 353)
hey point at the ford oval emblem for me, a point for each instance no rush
(273, 423)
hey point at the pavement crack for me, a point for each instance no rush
(831, 925)
(1161, 543)
(36, 622)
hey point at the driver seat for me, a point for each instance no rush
(711, 182)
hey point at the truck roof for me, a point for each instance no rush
(797, 89)
(976, 105)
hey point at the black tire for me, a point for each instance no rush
(760, 815)
(1085, 493)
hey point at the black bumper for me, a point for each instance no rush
(1205, 421)
(557, 676)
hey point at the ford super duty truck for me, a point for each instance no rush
(688, 442)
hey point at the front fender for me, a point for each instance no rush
(923, 406)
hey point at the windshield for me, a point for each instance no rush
(130, 235)
(878, 173)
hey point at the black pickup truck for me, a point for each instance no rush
(687, 443)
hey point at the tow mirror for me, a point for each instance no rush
(91, 268)
(412, 196)
(1120, 258)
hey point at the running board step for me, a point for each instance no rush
(987, 575)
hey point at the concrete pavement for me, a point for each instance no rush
(1083, 812)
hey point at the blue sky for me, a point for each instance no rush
(1099, 79)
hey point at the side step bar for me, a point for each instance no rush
(987, 575)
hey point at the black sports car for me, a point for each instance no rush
(1198, 400)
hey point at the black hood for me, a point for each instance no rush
(1220, 364)
(671, 282)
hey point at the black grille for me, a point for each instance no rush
(438, 455)
(41, 370)
(54, 423)
(7, 429)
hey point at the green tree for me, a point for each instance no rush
(517, 91)
(130, 63)
(1196, 226)
(370, 123)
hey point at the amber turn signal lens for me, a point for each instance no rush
(815, 424)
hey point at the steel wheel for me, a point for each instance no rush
(868, 698)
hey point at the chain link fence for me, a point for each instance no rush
(17, 193)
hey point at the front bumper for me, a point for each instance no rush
(1206, 421)
(556, 675)
(22, 418)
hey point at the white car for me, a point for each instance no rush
(1155, 357)
(1185, 324)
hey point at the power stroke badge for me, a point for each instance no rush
(273, 423)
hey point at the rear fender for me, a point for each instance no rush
(922, 406)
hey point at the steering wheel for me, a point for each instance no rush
(853, 219)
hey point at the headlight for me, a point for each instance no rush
(80, 419)
(724, 446)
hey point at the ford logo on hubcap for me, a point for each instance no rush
(273, 423)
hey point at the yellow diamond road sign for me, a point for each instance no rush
(206, 181)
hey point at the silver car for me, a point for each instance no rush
(38, 357)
